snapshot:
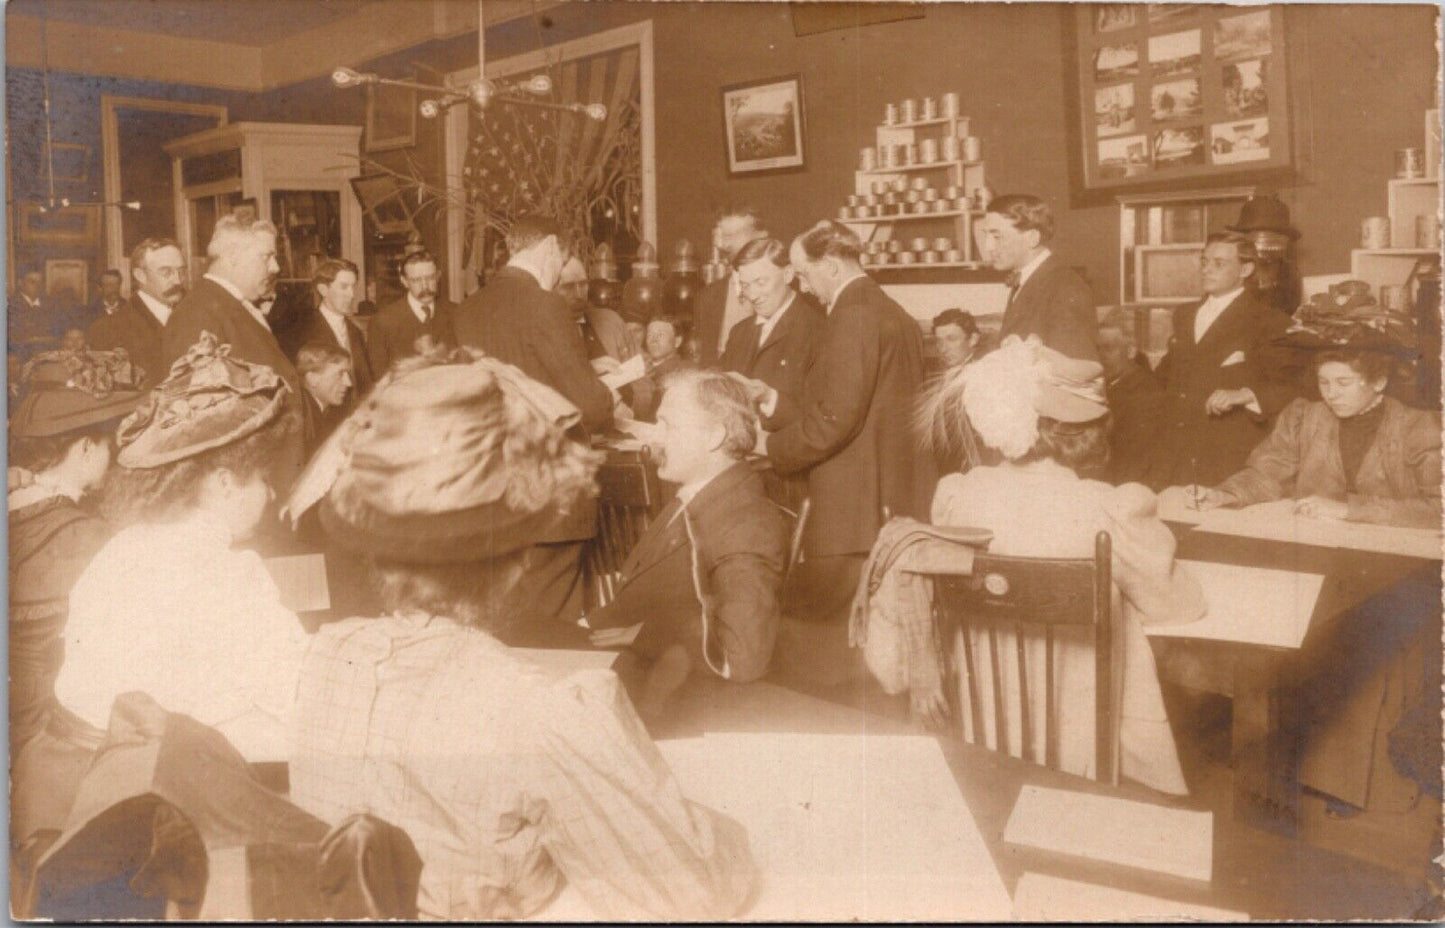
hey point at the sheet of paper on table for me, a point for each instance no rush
(560, 663)
(1276, 521)
(847, 826)
(1040, 898)
(1174, 507)
(1116, 831)
(634, 368)
(1251, 605)
(301, 579)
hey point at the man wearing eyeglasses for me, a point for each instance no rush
(397, 326)
(1225, 378)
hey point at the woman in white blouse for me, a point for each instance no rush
(168, 606)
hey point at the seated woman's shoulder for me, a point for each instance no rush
(1130, 501)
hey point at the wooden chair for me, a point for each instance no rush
(630, 495)
(1033, 595)
(795, 540)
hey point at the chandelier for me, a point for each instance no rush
(482, 92)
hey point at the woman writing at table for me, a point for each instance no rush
(1046, 414)
(1354, 454)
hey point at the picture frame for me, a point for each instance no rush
(64, 225)
(67, 273)
(71, 162)
(390, 117)
(1172, 95)
(383, 202)
(764, 128)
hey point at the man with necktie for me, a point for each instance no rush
(719, 305)
(158, 272)
(333, 323)
(394, 331)
(1225, 377)
(1046, 298)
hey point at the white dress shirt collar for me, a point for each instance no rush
(337, 322)
(1028, 269)
(1211, 309)
(423, 312)
(844, 285)
(161, 311)
(235, 291)
(766, 326)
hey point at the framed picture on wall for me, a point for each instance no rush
(65, 281)
(71, 162)
(763, 126)
(1171, 94)
(390, 117)
(65, 225)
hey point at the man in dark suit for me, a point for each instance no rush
(1136, 404)
(394, 330)
(517, 318)
(851, 428)
(719, 306)
(333, 323)
(243, 269)
(1225, 378)
(107, 303)
(326, 373)
(1046, 298)
(30, 326)
(703, 582)
(158, 273)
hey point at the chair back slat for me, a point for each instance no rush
(1032, 597)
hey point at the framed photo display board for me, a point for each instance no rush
(1180, 91)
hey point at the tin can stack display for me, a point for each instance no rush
(919, 188)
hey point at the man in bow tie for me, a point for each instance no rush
(1225, 378)
(243, 270)
(394, 331)
(1046, 298)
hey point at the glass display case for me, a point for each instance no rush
(296, 176)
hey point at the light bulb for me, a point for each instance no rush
(481, 91)
(538, 84)
(346, 77)
(596, 112)
(132, 204)
(430, 109)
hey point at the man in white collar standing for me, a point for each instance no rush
(850, 428)
(1225, 377)
(243, 269)
(393, 332)
(518, 319)
(159, 273)
(720, 305)
(1046, 298)
(333, 324)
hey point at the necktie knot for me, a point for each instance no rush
(1014, 279)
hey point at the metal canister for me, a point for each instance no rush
(962, 204)
(887, 157)
(983, 196)
(920, 207)
(940, 206)
(880, 187)
(919, 243)
(972, 148)
(890, 114)
(909, 110)
(930, 108)
(928, 257)
(950, 148)
(1395, 297)
(894, 246)
(853, 200)
(929, 195)
(1427, 231)
(867, 159)
(872, 199)
(845, 212)
(898, 184)
(928, 150)
(918, 183)
(1410, 163)
(906, 257)
(1375, 232)
(952, 192)
(950, 104)
(913, 196)
(953, 255)
(911, 153)
(942, 243)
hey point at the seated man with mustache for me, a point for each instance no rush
(704, 579)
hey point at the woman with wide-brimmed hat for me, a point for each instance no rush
(508, 780)
(170, 606)
(61, 438)
(1046, 415)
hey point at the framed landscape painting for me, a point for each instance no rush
(763, 125)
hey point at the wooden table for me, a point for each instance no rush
(1265, 739)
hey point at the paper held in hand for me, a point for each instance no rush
(633, 369)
